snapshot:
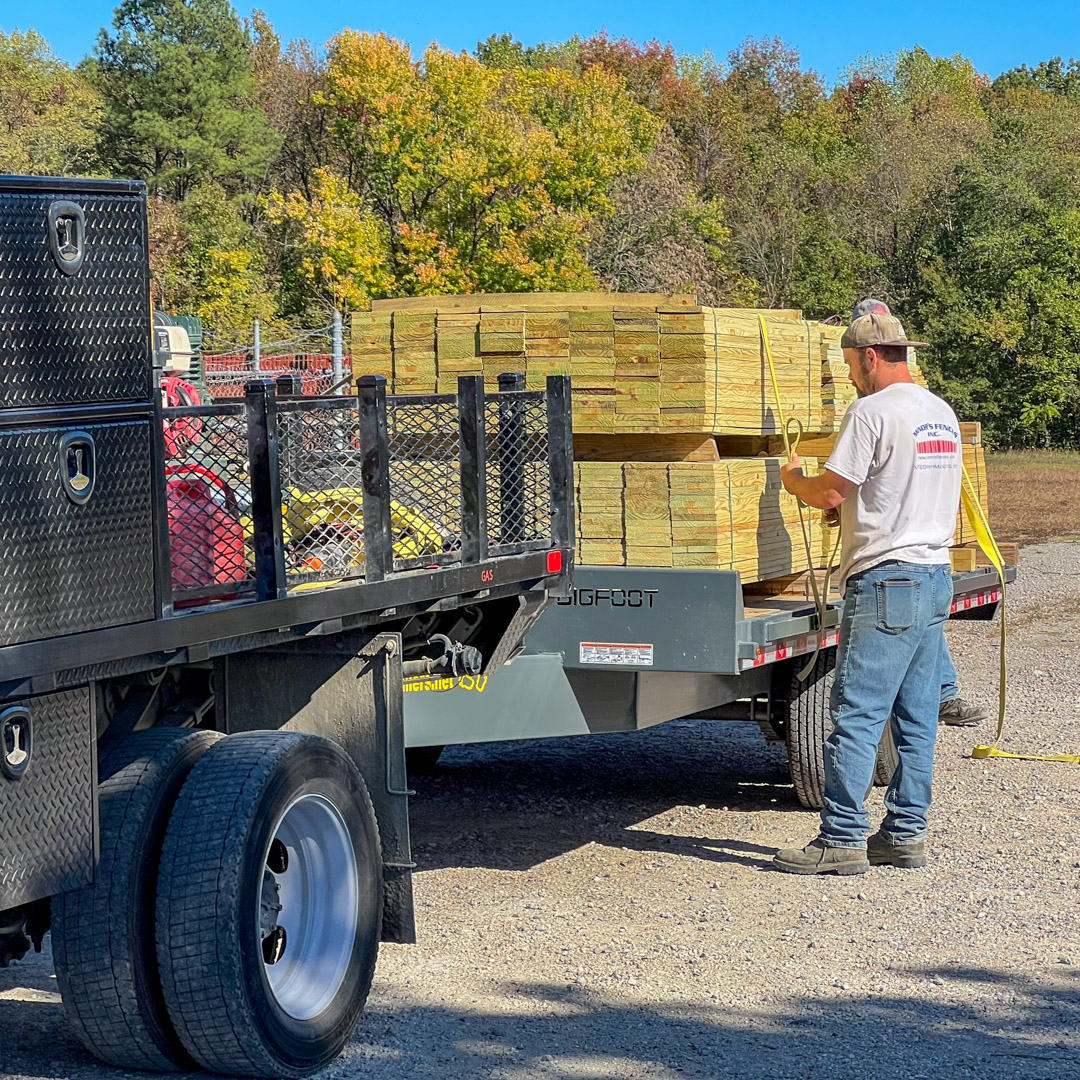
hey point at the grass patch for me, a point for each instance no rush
(1034, 494)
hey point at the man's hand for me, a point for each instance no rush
(790, 473)
(825, 491)
(832, 517)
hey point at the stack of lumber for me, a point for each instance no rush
(740, 396)
(641, 363)
(970, 556)
(975, 465)
(676, 431)
(837, 393)
(730, 514)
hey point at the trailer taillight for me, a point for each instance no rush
(554, 562)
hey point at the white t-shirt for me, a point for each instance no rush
(901, 445)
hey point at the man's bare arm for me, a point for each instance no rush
(824, 492)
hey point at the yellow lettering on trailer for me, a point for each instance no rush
(422, 684)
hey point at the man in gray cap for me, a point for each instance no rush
(895, 476)
(954, 710)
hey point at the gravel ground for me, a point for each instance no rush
(605, 907)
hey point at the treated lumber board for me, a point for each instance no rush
(645, 448)
(971, 556)
(792, 586)
(469, 302)
(535, 301)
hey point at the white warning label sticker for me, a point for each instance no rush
(607, 652)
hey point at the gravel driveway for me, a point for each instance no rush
(604, 907)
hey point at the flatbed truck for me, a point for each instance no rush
(209, 612)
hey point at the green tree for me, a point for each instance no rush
(1056, 76)
(998, 291)
(48, 112)
(207, 261)
(661, 237)
(176, 78)
(504, 52)
(287, 79)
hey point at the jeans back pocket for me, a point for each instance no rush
(897, 604)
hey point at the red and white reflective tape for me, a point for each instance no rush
(796, 646)
(975, 599)
(799, 646)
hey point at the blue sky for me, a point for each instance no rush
(995, 34)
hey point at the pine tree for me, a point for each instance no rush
(179, 102)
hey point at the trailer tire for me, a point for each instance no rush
(103, 934)
(808, 725)
(887, 758)
(258, 806)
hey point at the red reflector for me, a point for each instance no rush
(554, 562)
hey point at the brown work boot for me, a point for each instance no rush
(883, 852)
(816, 858)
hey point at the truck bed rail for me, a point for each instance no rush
(277, 494)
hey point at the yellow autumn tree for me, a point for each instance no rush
(334, 248)
(478, 178)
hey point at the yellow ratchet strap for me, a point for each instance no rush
(985, 539)
(821, 595)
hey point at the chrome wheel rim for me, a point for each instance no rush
(307, 907)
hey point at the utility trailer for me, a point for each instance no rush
(632, 647)
(209, 614)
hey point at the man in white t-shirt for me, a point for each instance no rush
(953, 710)
(895, 475)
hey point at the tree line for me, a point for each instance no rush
(288, 179)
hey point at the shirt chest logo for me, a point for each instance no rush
(935, 440)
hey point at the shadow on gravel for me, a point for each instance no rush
(1030, 1031)
(574, 1032)
(1022, 1027)
(511, 806)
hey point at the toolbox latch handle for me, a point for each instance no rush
(67, 235)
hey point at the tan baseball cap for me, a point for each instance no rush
(876, 328)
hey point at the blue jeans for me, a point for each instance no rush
(949, 687)
(888, 662)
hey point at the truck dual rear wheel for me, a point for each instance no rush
(269, 905)
(103, 934)
(808, 725)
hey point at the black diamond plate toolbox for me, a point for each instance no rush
(75, 323)
(76, 528)
(47, 819)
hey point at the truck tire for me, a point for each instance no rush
(807, 724)
(103, 935)
(269, 905)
